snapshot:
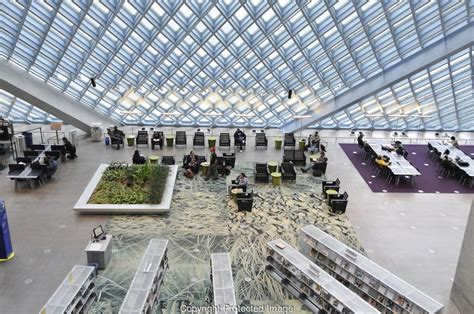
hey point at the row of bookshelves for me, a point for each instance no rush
(379, 287)
(312, 285)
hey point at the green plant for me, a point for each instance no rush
(130, 184)
(158, 177)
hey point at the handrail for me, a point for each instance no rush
(56, 136)
(29, 130)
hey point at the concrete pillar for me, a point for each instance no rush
(462, 293)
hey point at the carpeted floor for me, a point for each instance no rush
(204, 220)
(430, 180)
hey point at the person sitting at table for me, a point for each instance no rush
(454, 142)
(51, 166)
(138, 159)
(445, 155)
(116, 136)
(70, 149)
(157, 139)
(320, 160)
(242, 182)
(239, 138)
(382, 161)
(360, 140)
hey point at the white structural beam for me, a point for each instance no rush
(455, 42)
(30, 89)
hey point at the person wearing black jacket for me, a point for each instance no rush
(138, 159)
(239, 138)
(70, 149)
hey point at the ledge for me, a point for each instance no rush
(82, 205)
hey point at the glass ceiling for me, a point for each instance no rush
(439, 97)
(231, 63)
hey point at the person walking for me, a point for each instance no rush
(212, 172)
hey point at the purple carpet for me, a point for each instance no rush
(429, 182)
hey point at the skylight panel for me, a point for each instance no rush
(241, 14)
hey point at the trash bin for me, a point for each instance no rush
(20, 141)
(278, 143)
(211, 141)
(28, 139)
(302, 144)
(130, 140)
(169, 140)
(73, 138)
(96, 132)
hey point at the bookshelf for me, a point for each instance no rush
(309, 283)
(376, 285)
(222, 284)
(75, 294)
(142, 295)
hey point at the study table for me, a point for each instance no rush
(28, 173)
(399, 166)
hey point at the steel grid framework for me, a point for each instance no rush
(231, 63)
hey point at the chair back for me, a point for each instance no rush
(37, 166)
(26, 160)
(16, 167)
(37, 147)
(29, 153)
(168, 160)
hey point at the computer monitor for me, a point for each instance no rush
(98, 232)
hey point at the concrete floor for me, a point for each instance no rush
(416, 236)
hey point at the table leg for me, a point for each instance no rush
(397, 180)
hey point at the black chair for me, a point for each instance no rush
(61, 149)
(288, 172)
(198, 139)
(142, 138)
(261, 173)
(180, 138)
(338, 203)
(53, 153)
(229, 159)
(37, 147)
(201, 159)
(336, 182)
(297, 157)
(221, 167)
(319, 168)
(244, 201)
(261, 140)
(224, 140)
(15, 169)
(29, 153)
(289, 139)
(25, 160)
(157, 140)
(168, 160)
(40, 172)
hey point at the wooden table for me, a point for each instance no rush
(278, 142)
(169, 140)
(204, 168)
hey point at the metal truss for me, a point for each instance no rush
(231, 63)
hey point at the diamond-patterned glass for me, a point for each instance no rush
(227, 62)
